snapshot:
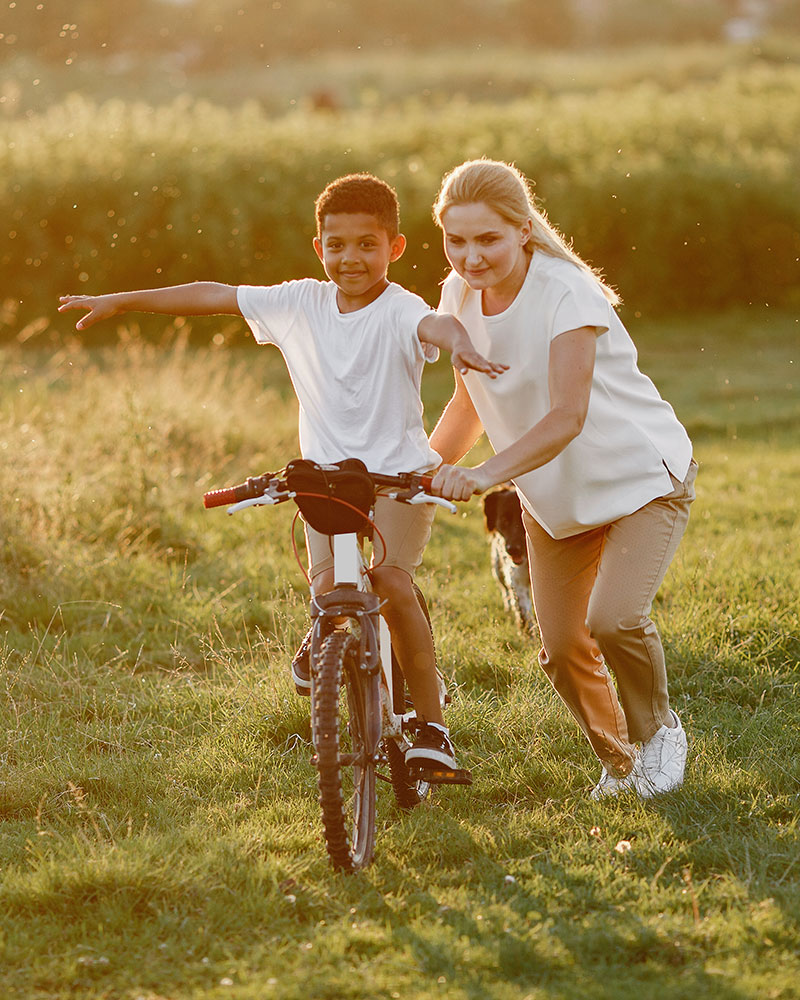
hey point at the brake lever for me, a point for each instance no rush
(265, 500)
(430, 498)
(418, 497)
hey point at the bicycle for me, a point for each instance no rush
(359, 716)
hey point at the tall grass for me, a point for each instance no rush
(160, 836)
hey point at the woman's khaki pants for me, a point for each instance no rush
(593, 593)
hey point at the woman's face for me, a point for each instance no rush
(486, 250)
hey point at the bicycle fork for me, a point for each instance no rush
(361, 607)
(350, 572)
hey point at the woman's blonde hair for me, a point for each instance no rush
(506, 190)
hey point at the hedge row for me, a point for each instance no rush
(686, 200)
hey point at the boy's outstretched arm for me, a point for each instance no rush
(445, 331)
(199, 298)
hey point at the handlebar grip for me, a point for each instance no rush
(255, 486)
(426, 483)
(228, 495)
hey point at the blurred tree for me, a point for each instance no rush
(53, 29)
(306, 27)
(785, 16)
(212, 33)
(542, 23)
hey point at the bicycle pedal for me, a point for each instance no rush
(441, 776)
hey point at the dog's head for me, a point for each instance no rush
(503, 514)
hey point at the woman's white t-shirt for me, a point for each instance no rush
(631, 439)
(357, 375)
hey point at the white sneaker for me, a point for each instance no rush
(608, 785)
(662, 761)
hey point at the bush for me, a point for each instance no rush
(685, 199)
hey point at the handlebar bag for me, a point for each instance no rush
(327, 494)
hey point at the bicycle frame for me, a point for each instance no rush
(350, 571)
(357, 707)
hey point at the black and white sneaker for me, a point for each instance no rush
(433, 758)
(432, 748)
(301, 666)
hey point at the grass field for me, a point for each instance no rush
(160, 836)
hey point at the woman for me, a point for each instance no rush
(601, 463)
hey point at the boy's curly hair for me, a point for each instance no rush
(356, 193)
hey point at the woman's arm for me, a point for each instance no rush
(199, 298)
(445, 331)
(459, 426)
(570, 370)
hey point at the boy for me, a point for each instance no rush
(355, 346)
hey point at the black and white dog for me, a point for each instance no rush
(503, 515)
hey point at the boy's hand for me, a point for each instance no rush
(455, 482)
(96, 307)
(466, 360)
(449, 333)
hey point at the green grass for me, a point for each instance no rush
(160, 836)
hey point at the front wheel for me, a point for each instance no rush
(343, 701)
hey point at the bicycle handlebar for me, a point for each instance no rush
(405, 480)
(274, 485)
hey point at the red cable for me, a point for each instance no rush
(344, 503)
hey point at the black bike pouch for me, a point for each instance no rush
(333, 499)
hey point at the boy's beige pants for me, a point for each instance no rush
(593, 593)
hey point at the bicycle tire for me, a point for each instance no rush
(341, 703)
(408, 792)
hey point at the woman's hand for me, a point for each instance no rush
(96, 307)
(455, 482)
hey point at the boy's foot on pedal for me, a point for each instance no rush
(301, 666)
(433, 759)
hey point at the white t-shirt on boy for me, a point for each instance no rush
(631, 439)
(357, 375)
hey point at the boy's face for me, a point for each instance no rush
(356, 252)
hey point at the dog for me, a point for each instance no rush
(509, 553)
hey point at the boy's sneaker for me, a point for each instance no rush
(662, 761)
(432, 756)
(432, 748)
(301, 666)
(608, 785)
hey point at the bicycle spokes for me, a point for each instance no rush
(342, 702)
